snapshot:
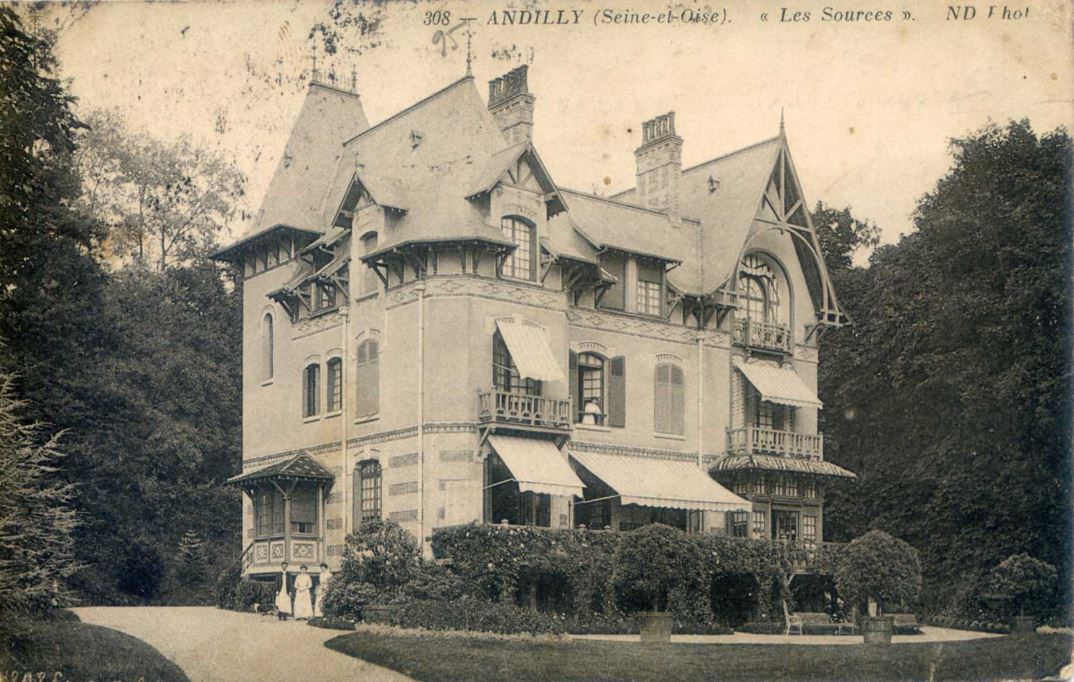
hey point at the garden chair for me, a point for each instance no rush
(793, 621)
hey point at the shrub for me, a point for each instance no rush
(763, 627)
(469, 614)
(432, 582)
(382, 554)
(224, 589)
(250, 592)
(1025, 585)
(653, 562)
(346, 600)
(142, 570)
(880, 566)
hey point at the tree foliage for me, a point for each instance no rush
(948, 396)
(36, 521)
(880, 566)
(1026, 585)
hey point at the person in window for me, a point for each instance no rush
(592, 414)
(323, 579)
(303, 594)
(283, 597)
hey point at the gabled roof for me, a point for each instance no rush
(613, 224)
(301, 467)
(232, 252)
(503, 160)
(566, 240)
(727, 213)
(428, 156)
(296, 193)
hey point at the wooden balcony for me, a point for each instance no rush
(761, 335)
(514, 409)
(753, 440)
(267, 554)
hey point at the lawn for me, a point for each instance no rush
(460, 658)
(83, 652)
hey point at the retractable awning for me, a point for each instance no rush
(778, 384)
(655, 482)
(528, 344)
(537, 465)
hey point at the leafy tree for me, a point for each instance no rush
(36, 522)
(382, 554)
(841, 236)
(880, 566)
(1027, 585)
(165, 201)
(948, 395)
(652, 563)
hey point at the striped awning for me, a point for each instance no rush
(653, 482)
(774, 463)
(528, 344)
(537, 465)
(780, 385)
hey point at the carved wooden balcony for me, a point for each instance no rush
(754, 440)
(514, 409)
(761, 335)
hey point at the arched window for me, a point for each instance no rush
(335, 385)
(369, 276)
(505, 376)
(368, 378)
(521, 264)
(759, 290)
(311, 390)
(367, 492)
(268, 347)
(670, 399)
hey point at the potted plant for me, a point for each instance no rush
(1024, 587)
(651, 563)
(874, 570)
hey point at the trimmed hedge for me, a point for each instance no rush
(233, 592)
(467, 614)
(329, 623)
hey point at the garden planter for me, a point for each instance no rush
(1024, 625)
(877, 631)
(656, 626)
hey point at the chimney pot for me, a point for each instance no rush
(511, 104)
(659, 165)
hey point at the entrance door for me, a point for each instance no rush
(784, 525)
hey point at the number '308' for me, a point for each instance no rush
(438, 18)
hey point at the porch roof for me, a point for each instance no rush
(780, 385)
(301, 467)
(537, 465)
(776, 463)
(653, 482)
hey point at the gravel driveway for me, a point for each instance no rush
(212, 645)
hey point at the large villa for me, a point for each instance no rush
(436, 333)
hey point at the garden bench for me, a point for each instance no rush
(906, 620)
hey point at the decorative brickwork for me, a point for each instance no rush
(409, 459)
(456, 456)
(334, 524)
(405, 488)
(404, 515)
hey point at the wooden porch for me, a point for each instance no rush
(752, 440)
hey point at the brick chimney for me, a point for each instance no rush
(511, 104)
(659, 165)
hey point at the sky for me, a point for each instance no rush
(869, 105)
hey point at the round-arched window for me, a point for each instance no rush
(759, 291)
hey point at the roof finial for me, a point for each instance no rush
(469, 51)
(315, 74)
(781, 122)
(354, 79)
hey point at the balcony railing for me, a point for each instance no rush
(501, 407)
(753, 440)
(762, 335)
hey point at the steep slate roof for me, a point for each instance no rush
(727, 213)
(301, 467)
(296, 193)
(611, 223)
(431, 155)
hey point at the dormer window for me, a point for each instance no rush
(759, 291)
(520, 264)
(650, 288)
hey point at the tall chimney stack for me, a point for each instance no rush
(511, 104)
(659, 165)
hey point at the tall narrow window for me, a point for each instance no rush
(809, 528)
(304, 511)
(758, 290)
(521, 263)
(311, 389)
(758, 524)
(369, 276)
(268, 347)
(505, 376)
(335, 385)
(670, 399)
(650, 288)
(268, 512)
(368, 483)
(368, 378)
(590, 407)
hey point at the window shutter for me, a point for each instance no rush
(374, 378)
(661, 399)
(617, 392)
(677, 409)
(572, 381)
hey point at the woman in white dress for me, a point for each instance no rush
(322, 584)
(303, 594)
(283, 597)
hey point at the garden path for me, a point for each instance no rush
(213, 645)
